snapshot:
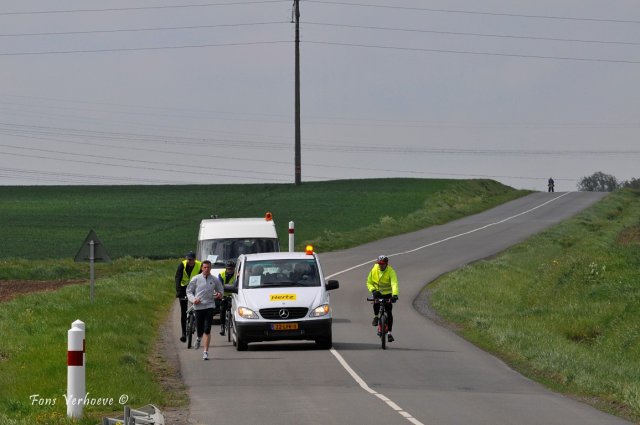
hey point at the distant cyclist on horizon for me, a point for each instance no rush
(382, 282)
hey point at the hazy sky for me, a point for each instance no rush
(179, 91)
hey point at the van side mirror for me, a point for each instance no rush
(231, 289)
(332, 284)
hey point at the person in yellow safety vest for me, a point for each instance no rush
(382, 282)
(227, 277)
(187, 268)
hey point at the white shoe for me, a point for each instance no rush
(205, 355)
(197, 343)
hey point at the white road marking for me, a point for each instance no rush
(348, 368)
(452, 237)
(382, 397)
(353, 374)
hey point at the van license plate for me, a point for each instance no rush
(284, 326)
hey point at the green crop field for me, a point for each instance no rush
(159, 222)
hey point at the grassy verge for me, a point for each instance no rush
(122, 326)
(564, 307)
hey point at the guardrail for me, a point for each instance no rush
(146, 415)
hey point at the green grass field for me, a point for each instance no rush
(146, 230)
(563, 307)
(122, 326)
(159, 222)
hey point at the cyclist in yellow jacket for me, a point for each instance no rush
(188, 268)
(382, 282)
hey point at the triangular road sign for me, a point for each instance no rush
(99, 251)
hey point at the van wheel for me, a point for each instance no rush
(239, 342)
(325, 342)
(241, 345)
(234, 337)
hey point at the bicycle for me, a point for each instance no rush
(191, 325)
(227, 318)
(383, 319)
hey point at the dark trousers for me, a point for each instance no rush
(204, 318)
(184, 305)
(224, 306)
(388, 308)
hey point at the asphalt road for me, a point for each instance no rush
(427, 376)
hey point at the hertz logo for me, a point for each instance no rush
(282, 297)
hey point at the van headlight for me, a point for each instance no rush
(247, 313)
(320, 310)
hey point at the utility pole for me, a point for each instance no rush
(298, 166)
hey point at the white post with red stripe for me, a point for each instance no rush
(291, 236)
(76, 384)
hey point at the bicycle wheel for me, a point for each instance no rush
(191, 327)
(227, 324)
(383, 330)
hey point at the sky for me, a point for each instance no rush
(202, 92)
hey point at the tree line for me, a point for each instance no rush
(601, 182)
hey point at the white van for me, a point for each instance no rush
(222, 239)
(280, 296)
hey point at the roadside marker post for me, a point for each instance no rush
(291, 235)
(76, 374)
(92, 250)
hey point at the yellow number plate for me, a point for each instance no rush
(282, 297)
(284, 326)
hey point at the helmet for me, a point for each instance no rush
(382, 259)
(190, 255)
(229, 264)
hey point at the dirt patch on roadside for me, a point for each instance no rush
(630, 235)
(10, 289)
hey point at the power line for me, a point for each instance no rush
(469, 12)
(333, 121)
(137, 168)
(403, 171)
(73, 177)
(474, 34)
(140, 137)
(191, 27)
(414, 49)
(468, 52)
(81, 178)
(413, 30)
(14, 110)
(134, 106)
(324, 147)
(136, 161)
(131, 49)
(119, 9)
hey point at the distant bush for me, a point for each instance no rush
(598, 182)
(631, 184)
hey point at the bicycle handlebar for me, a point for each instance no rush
(386, 300)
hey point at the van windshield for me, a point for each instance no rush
(220, 250)
(280, 273)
